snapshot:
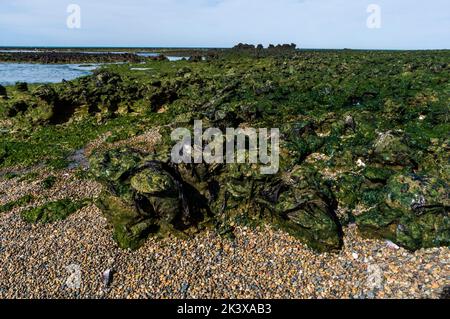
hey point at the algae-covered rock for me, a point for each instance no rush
(112, 165)
(151, 182)
(391, 149)
(52, 211)
(17, 107)
(46, 93)
(357, 125)
(414, 212)
(143, 197)
(130, 225)
(306, 209)
(159, 193)
(146, 197)
(21, 86)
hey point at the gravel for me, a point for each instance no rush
(77, 258)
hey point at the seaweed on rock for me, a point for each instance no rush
(364, 137)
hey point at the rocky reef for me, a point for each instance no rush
(364, 139)
(51, 57)
(279, 50)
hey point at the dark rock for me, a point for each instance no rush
(3, 91)
(21, 86)
(445, 294)
(16, 107)
(46, 93)
(69, 57)
(145, 196)
(107, 277)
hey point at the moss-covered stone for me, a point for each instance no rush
(21, 86)
(49, 181)
(52, 211)
(414, 212)
(143, 197)
(26, 199)
(306, 209)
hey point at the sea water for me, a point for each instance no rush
(10, 73)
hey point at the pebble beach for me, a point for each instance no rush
(77, 258)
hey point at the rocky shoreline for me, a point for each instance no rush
(362, 184)
(72, 57)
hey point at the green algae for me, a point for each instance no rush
(350, 121)
(26, 199)
(413, 212)
(48, 182)
(52, 211)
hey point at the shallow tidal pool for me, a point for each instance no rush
(11, 73)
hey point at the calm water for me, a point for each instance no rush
(171, 58)
(11, 73)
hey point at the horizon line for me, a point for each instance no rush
(201, 47)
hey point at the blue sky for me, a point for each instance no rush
(405, 24)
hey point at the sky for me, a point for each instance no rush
(398, 24)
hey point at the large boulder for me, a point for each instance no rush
(413, 214)
(143, 197)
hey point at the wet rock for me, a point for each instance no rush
(331, 119)
(107, 277)
(130, 227)
(145, 196)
